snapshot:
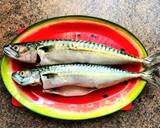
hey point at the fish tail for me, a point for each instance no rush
(152, 74)
(152, 59)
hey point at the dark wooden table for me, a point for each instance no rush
(141, 17)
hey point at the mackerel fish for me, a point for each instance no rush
(72, 51)
(80, 79)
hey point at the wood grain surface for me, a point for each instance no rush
(141, 17)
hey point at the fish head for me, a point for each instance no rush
(26, 77)
(22, 52)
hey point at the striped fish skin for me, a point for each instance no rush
(89, 76)
(68, 51)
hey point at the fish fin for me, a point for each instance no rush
(50, 75)
(152, 59)
(152, 74)
(45, 48)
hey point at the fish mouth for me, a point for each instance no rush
(10, 52)
(21, 81)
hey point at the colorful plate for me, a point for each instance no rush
(99, 103)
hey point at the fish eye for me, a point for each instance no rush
(15, 47)
(22, 74)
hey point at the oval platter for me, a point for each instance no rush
(96, 104)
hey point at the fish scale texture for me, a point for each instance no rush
(141, 17)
